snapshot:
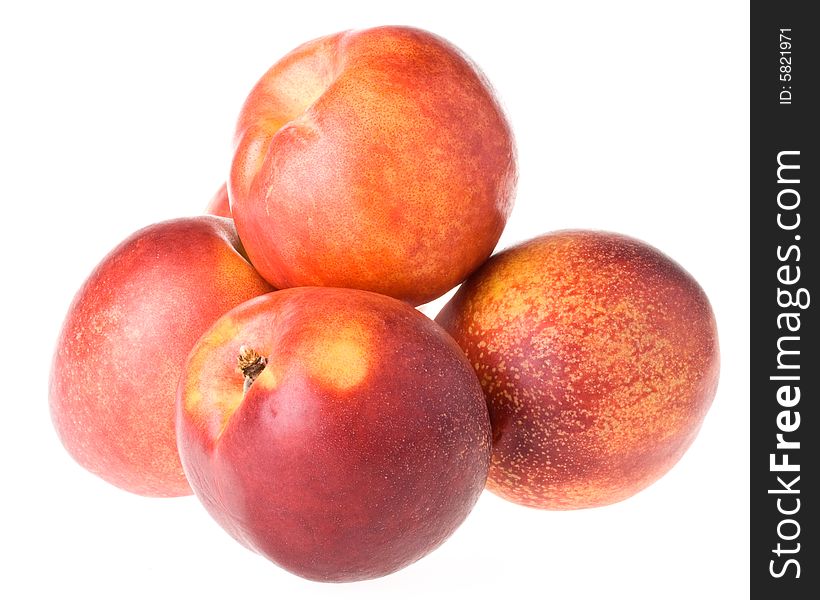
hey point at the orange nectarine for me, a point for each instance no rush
(377, 159)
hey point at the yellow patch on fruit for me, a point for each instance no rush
(224, 405)
(224, 329)
(213, 410)
(268, 379)
(339, 359)
(501, 298)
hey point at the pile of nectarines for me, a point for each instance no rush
(270, 358)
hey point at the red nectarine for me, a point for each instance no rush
(598, 356)
(122, 346)
(339, 433)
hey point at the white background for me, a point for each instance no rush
(629, 116)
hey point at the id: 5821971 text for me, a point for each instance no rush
(785, 66)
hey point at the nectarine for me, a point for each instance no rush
(598, 356)
(219, 205)
(376, 159)
(339, 433)
(122, 346)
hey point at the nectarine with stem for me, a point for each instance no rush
(339, 433)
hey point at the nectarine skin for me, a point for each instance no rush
(376, 159)
(220, 205)
(360, 447)
(598, 356)
(124, 342)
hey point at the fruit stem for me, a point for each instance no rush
(251, 363)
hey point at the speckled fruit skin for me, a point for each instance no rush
(360, 448)
(598, 356)
(376, 159)
(124, 342)
(219, 205)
